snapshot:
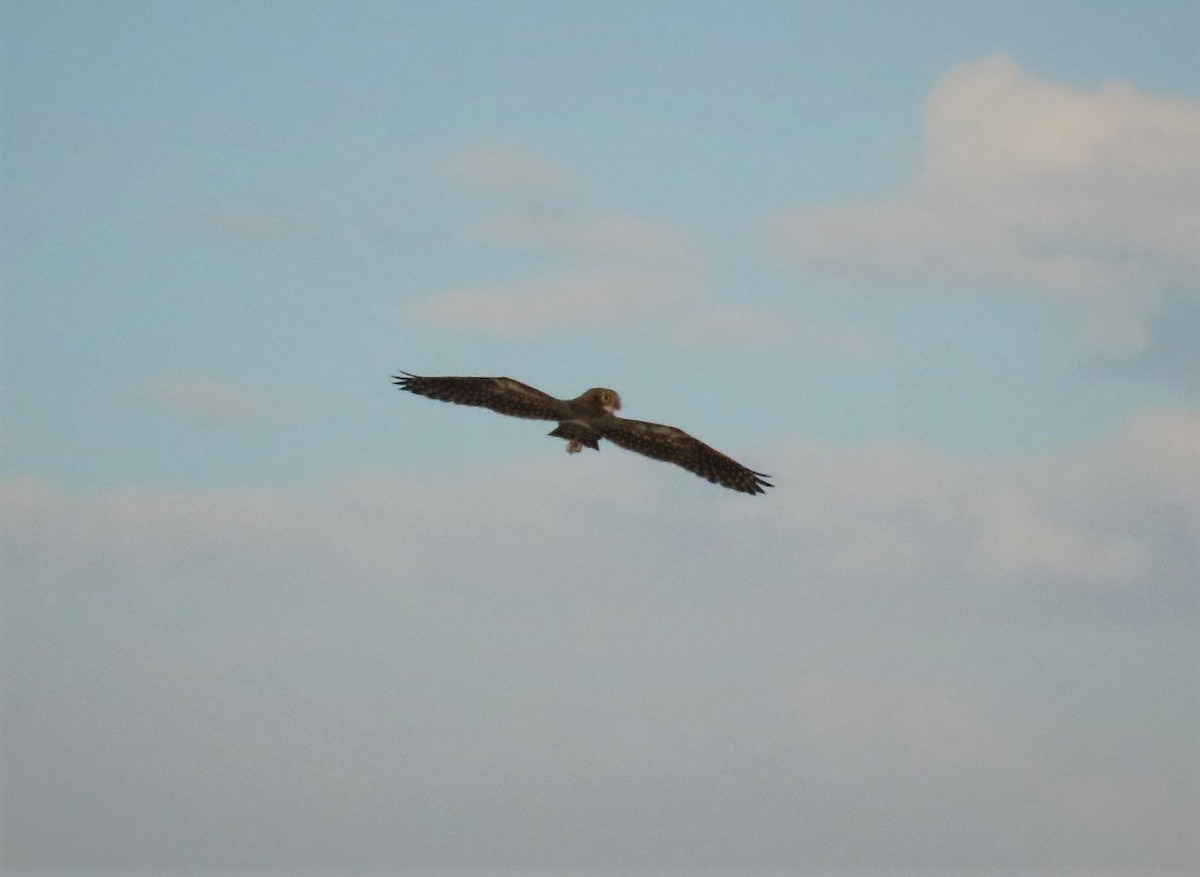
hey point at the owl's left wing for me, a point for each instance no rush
(675, 446)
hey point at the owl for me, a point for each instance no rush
(586, 419)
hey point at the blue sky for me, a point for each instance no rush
(933, 266)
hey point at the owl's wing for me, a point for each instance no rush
(503, 395)
(676, 446)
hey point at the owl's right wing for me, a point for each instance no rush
(673, 445)
(502, 395)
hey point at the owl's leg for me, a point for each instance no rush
(574, 447)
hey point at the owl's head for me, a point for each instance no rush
(606, 399)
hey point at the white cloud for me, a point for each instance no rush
(640, 293)
(1121, 516)
(203, 398)
(1163, 446)
(936, 729)
(583, 299)
(500, 167)
(620, 270)
(1090, 196)
(247, 224)
(952, 741)
(718, 325)
(588, 238)
(1016, 537)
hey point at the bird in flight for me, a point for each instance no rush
(586, 419)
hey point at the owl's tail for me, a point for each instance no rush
(577, 434)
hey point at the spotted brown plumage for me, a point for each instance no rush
(502, 395)
(584, 420)
(676, 446)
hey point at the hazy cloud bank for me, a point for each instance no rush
(603, 662)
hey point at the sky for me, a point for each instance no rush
(933, 266)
